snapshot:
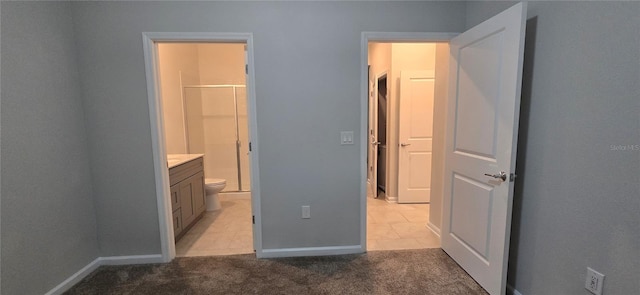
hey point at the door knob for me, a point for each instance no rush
(502, 175)
(405, 144)
(375, 143)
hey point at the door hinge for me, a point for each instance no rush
(246, 69)
(253, 219)
(249, 146)
(512, 177)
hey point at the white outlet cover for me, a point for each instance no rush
(594, 281)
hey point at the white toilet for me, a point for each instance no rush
(212, 187)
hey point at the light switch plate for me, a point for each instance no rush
(346, 137)
(306, 212)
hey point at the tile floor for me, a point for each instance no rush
(392, 226)
(227, 231)
(223, 232)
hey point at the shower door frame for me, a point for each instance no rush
(165, 220)
(235, 106)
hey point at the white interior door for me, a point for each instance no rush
(416, 136)
(372, 167)
(481, 136)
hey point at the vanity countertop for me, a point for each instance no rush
(174, 160)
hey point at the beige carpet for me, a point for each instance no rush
(424, 271)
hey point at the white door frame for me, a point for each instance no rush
(390, 37)
(376, 79)
(372, 93)
(157, 130)
(387, 75)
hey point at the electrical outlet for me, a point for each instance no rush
(594, 281)
(306, 212)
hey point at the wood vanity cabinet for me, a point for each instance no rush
(187, 195)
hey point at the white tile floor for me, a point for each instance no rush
(392, 226)
(223, 232)
(228, 231)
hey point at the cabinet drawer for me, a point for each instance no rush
(182, 172)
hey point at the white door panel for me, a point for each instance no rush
(477, 99)
(470, 205)
(416, 136)
(481, 135)
(418, 176)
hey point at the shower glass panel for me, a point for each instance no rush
(216, 126)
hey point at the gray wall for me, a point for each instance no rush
(307, 81)
(48, 216)
(577, 199)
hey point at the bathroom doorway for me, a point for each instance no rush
(205, 107)
(212, 122)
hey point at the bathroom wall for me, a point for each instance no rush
(48, 216)
(576, 201)
(221, 63)
(178, 65)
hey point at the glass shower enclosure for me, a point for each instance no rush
(216, 125)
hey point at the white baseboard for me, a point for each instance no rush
(75, 278)
(135, 259)
(390, 199)
(93, 265)
(512, 291)
(433, 228)
(310, 251)
(235, 195)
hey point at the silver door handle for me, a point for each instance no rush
(375, 143)
(405, 144)
(502, 175)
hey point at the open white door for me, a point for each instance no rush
(372, 166)
(482, 128)
(416, 136)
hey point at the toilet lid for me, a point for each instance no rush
(215, 181)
